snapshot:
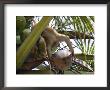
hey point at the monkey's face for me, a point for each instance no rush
(68, 61)
(62, 64)
(62, 60)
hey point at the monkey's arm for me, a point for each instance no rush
(49, 51)
(68, 42)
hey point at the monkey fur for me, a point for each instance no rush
(52, 39)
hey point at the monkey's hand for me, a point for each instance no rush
(46, 58)
(73, 56)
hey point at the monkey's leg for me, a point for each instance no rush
(60, 71)
(50, 67)
(49, 51)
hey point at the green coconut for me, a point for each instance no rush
(26, 32)
(18, 40)
(20, 23)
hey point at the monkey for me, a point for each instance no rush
(39, 50)
(52, 39)
(61, 61)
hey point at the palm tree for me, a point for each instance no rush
(80, 29)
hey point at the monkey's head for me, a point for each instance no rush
(62, 59)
